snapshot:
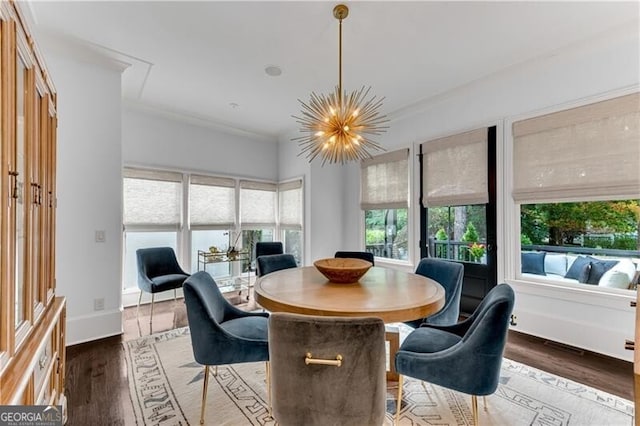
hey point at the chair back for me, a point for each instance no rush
(207, 310)
(356, 255)
(274, 262)
(157, 261)
(265, 248)
(306, 393)
(450, 276)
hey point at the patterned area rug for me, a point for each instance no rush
(166, 389)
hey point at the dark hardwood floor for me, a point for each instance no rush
(97, 387)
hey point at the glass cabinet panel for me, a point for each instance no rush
(19, 195)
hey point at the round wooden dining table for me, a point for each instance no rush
(392, 295)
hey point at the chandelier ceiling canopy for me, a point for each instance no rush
(337, 126)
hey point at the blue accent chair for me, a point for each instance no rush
(449, 275)
(327, 370)
(265, 248)
(274, 262)
(465, 357)
(158, 271)
(356, 255)
(220, 332)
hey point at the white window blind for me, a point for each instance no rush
(290, 204)
(589, 151)
(385, 181)
(257, 204)
(455, 170)
(152, 198)
(212, 201)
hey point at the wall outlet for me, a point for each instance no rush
(98, 304)
(100, 236)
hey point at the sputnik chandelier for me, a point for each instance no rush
(337, 126)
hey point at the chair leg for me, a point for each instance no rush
(268, 371)
(139, 300)
(175, 294)
(204, 393)
(215, 370)
(399, 404)
(474, 409)
(151, 316)
(484, 402)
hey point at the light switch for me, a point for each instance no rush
(100, 237)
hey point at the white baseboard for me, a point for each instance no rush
(95, 326)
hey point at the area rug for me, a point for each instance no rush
(165, 386)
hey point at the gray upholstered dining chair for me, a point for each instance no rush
(356, 255)
(274, 262)
(327, 370)
(450, 276)
(465, 357)
(158, 271)
(220, 332)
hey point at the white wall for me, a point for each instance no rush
(89, 194)
(597, 67)
(151, 140)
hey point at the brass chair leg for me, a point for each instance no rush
(175, 294)
(204, 393)
(268, 371)
(474, 409)
(484, 402)
(399, 405)
(151, 316)
(138, 308)
(215, 370)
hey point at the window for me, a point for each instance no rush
(212, 218)
(455, 188)
(221, 212)
(385, 202)
(577, 186)
(152, 203)
(290, 210)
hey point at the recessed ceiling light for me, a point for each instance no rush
(273, 70)
(234, 105)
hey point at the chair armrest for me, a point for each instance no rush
(144, 283)
(232, 312)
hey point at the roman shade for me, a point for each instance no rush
(455, 170)
(290, 204)
(212, 201)
(385, 181)
(257, 204)
(579, 153)
(151, 198)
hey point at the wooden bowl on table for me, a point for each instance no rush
(342, 270)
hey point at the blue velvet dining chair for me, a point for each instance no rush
(450, 276)
(220, 332)
(158, 271)
(266, 248)
(274, 262)
(356, 255)
(327, 370)
(465, 357)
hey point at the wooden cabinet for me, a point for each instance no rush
(32, 318)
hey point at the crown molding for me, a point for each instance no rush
(196, 120)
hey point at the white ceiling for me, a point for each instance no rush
(197, 58)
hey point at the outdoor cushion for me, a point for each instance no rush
(598, 268)
(533, 263)
(555, 264)
(614, 279)
(577, 268)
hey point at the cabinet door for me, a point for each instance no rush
(20, 195)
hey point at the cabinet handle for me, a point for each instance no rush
(633, 303)
(34, 193)
(630, 345)
(39, 194)
(14, 184)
